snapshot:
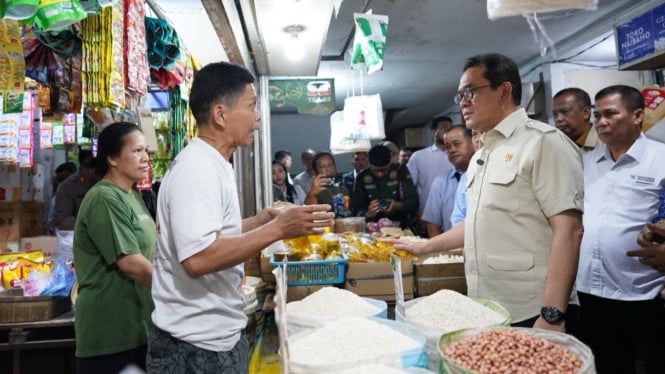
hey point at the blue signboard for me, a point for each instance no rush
(641, 36)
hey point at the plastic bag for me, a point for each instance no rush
(339, 143)
(369, 42)
(64, 243)
(506, 8)
(363, 117)
(62, 278)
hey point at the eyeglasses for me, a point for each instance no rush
(467, 94)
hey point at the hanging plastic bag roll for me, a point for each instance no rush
(369, 41)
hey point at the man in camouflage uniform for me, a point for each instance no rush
(384, 190)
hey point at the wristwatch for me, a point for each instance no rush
(552, 314)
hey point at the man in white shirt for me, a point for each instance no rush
(441, 200)
(622, 311)
(202, 240)
(428, 163)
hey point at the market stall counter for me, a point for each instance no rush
(45, 346)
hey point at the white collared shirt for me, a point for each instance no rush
(619, 198)
(425, 165)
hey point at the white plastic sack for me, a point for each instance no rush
(64, 243)
(363, 117)
(339, 143)
(433, 334)
(506, 8)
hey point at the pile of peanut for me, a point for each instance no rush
(506, 351)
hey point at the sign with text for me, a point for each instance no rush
(309, 96)
(642, 36)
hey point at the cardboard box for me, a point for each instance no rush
(10, 182)
(375, 279)
(295, 293)
(32, 218)
(46, 243)
(434, 277)
(266, 269)
(10, 213)
(14, 307)
(252, 267)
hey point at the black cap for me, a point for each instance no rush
(379, 155)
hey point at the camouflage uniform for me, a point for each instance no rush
(396, 185)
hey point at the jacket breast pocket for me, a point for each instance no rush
(512, 276)
(502, 190)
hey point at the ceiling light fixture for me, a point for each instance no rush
(294, 48)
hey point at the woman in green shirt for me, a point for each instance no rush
(114, 241)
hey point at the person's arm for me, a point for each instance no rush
(459, 209)
(451, 239)
(228, 251)
(561, 264)
(137, 267)
(433, 213)
(410, 201)
(63, 216)
(261, 218)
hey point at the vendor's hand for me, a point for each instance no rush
(268, 214)
(649, 234)
(305, 220)
(409, 246)
(542, 324)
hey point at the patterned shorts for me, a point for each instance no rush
(167, 354)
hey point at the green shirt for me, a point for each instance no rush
(112, 310)
(395, 185)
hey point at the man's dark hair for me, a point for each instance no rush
(281, 155)
(435, 121)
(379, 155)
(64, 170)
(217, 82)
(631, 97)
(466, 131)
(498, 69)
(581, 96)
(318, 155)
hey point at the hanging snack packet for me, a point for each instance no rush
(54, 15)
(369, 41)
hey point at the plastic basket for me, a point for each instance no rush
(303, 273)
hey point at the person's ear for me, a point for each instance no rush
(218, 113)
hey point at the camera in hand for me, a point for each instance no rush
(331, 181)
(384, 204)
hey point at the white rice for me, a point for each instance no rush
(350, 339)
(332, 302)
(443, 259)
(449, 311)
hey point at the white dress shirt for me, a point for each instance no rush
(619, 198)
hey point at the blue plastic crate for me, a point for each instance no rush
(303, 273)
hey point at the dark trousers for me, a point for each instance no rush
(573, 321)
(112, 363)
(625, 335)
